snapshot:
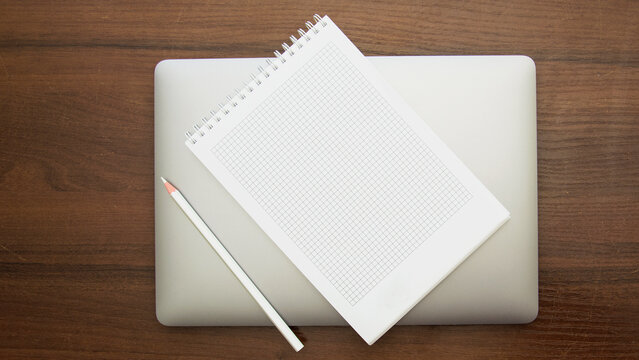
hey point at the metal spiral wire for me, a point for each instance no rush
(207, 123)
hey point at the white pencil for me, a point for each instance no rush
(234, 267)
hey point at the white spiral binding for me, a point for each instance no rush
(207, 123)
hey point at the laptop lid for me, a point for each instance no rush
(483, 107)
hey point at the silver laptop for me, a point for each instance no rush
(483, 107)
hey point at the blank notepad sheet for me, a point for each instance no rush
(348, 181)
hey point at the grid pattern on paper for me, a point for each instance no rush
(341, 173)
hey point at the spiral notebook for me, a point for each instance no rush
(366, 201)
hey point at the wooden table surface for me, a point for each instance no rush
(76, 170)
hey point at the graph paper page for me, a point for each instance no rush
(362, 197)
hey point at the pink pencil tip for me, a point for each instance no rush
(170, 188)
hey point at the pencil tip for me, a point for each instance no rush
(169, 187)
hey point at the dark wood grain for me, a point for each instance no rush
(76, 167)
